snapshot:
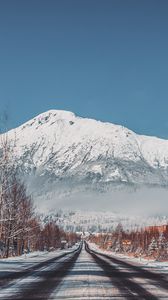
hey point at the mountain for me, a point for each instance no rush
(58, 151)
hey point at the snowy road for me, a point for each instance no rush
(83, 275)
(35, 280)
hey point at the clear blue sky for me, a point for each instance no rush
(105, 59)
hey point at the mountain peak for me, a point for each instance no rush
(54, 115)
(49, 117)
(57, 114)
(59, 147)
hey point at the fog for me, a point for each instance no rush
(142, 201)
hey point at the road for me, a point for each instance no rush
(84, 274)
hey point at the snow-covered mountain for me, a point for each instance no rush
(58, 147)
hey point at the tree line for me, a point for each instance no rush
(150, 242)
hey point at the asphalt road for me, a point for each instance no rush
(134, 281)
(84, 274)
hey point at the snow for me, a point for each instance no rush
(59, 153)
(36, 254)
(153, 264)
(25, 261)
(99, 221)
(11, 289)
(61, 132)
(86, 280)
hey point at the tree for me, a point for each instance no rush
(162, 251)
(152, 246)
(16, 208)
(18, 212)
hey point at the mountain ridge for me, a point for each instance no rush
(58, 148)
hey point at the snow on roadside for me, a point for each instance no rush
(25, 256)
(23, 262)
(140, 261)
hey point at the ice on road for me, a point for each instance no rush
(83, 275)
(86, 280)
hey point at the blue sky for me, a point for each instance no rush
(103, 59)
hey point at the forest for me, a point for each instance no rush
(149, 242)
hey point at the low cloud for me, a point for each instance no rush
(142, 201)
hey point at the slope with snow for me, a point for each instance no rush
(60, 149)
